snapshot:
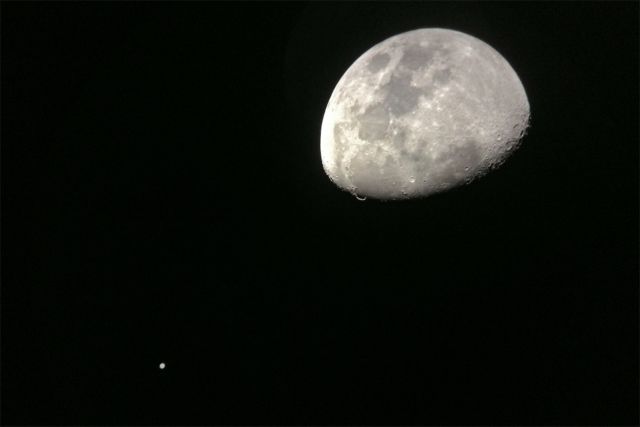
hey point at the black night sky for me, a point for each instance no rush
(163, 200)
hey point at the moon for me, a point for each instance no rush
(420, 113)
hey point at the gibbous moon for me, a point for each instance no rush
(420, 113)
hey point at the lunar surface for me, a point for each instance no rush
(420, 113)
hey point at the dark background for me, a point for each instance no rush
(164, 201)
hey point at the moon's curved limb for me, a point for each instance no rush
(422, 112)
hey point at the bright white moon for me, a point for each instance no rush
(162, 365)
(420, 113)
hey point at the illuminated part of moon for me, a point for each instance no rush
(162, 365)
(420, 113)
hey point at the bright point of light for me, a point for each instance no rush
(162, 365)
